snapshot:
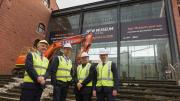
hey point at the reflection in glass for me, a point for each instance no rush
(103, 24)
(144, 57)
(62, 27)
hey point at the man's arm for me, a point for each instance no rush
(29, 67)
(89, 78)
(48, 71)
(94, 80)
(75, 76)
(115, 76)
(53, 68)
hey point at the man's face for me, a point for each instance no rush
(84, 60)
(42, 47)
(67, 51)
(103, 57)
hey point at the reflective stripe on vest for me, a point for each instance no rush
(40, 66)
(104, 75)
(82, 73)
(64, 70)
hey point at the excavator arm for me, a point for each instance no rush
(85, 39)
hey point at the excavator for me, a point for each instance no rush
(84, 39)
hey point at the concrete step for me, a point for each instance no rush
(159, 86)
(129, 90)
(2, 98)
(149, 92)
(147, 88)
(123, 97)
(7, 80)
(10, 95)
(170, 82)
(5, 76)
(14, 90)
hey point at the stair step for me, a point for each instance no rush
(129, 90)
(11, 95)
(160, 86)
(14, 90)
(2, 98)
(149, 92)
(152, 89)
(172, 82)
(5, 76)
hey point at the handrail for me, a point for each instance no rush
(174, 70)
(172, 67)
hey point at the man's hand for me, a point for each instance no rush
(114, 93)
(41, 80)
(94, 92)
(79, 85)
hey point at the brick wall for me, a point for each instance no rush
(176, 12)
(18, 23)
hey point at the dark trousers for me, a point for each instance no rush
(101, 96)
(60, 92)
(83, 97)
(31, 93)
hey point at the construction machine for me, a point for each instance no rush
(84, 39)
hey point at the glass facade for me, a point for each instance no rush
(62, 27)
(137, 33)
(144, 36)
(103, 24)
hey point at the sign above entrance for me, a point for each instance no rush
(103, 33)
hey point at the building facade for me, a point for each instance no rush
(21, 22)
(142, 36)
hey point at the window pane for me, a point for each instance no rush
(63, 27)
(41, 28)
(144, 36)
(103, 24)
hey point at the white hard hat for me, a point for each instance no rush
(84, 54)
(43, 41)
(67, 45)
(103, 51)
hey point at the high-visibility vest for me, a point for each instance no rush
(40, 66)
(82, 73)
(64, 69)
(104, 75)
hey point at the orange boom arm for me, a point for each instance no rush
(85, 39)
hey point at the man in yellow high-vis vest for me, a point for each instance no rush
(61, 73)
(106, 80)
(35, 73)
(83, 79)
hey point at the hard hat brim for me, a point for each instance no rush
(44, 43)
(68, 47)
(103, 54)
(84, 56)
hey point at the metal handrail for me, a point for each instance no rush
(174, 71)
